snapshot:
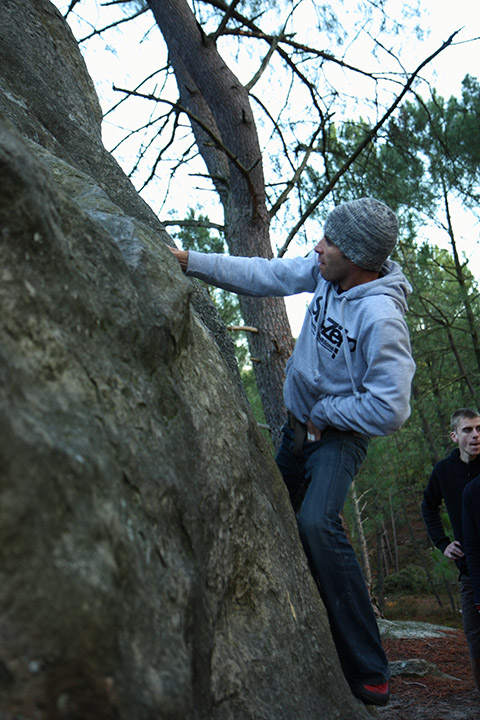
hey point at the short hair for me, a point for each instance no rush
(462, 413)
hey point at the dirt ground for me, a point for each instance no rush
(429, 697)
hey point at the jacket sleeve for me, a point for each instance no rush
(471, 534)
(381, 403)
(432, 500)
(257, 277)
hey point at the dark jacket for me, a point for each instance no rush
(447, 482)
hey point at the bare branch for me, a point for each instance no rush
(275, 125)
(238, 328)
(149, 77)
(296, 176)
(112, 25)
(194, 224)
(160, 154)
(218, 142)
(285, 40)
(264, 64)
(225, 19)
(256, 32)
(368, 138)
(70, 8)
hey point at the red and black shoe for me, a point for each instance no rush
(372, 694)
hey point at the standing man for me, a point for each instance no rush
(348, 379)
(449, 481)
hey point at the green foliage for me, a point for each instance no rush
(414, 579)
(443, 569)
(251, 388)
(410, 579)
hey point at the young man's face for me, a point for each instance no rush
(333, 264)
(467, 435)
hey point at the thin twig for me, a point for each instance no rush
(238, 328)
(368, 138)
(223, 24)
(194, 224)
(218, 142)
(112, 25)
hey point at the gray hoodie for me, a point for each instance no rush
(352, 365)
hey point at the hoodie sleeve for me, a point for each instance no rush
(257, 277)
(380, 404)
(471, 534)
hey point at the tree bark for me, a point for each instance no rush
(469, 312)
(427, 429)
(362, 540)
(231, 151)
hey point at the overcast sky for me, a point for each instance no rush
(130, 57)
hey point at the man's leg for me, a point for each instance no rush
(475, 662)
(471, 626)
(330, 468)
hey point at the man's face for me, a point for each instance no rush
(334, 266)
(467, 435)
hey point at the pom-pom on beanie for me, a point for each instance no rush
(365, 230)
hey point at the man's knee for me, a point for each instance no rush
(322, 531)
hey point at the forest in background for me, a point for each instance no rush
(417, 151)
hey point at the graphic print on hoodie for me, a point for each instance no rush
(330, 335)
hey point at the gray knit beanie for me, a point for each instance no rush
(365, 230)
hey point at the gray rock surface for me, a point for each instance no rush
(411, 629)
(150, 567)
(417, 666)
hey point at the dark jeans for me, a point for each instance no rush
(318, 484)
(470, 617)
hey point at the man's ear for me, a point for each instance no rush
(454, 436)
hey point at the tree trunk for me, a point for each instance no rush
(380, 568)
(427, 430)
(362, 540)
(226, 136)
(461, 365)
(470, 314)
(394, 533)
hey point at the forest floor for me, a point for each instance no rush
(428, 697)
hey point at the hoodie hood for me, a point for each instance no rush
(391, 283)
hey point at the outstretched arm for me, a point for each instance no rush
(254, 276)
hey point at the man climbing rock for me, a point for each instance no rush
(347, 380)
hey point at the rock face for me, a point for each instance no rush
(150, 567)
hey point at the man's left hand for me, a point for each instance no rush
(313, 433)
(181, 255)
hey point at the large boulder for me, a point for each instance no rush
(150, 566)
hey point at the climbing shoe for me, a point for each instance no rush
(372, 694)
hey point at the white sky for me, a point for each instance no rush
(131, 56)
